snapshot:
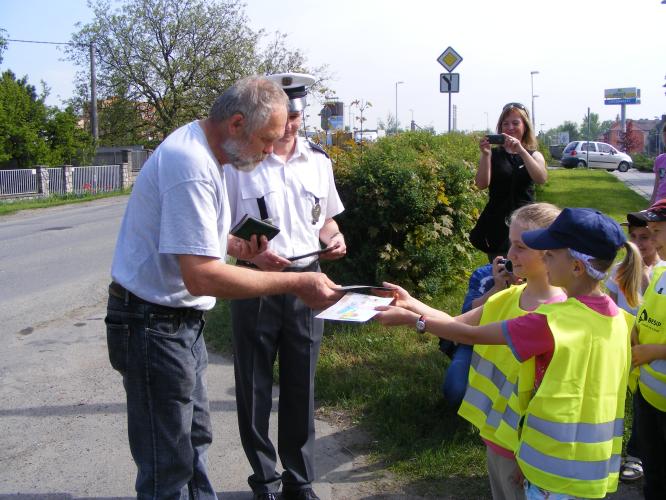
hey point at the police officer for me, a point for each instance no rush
(294, 188)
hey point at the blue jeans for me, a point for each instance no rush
(161, 355)
(455, 377)
(533, 492)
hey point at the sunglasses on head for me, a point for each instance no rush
(515, 105)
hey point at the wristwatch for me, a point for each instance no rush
(421, 324)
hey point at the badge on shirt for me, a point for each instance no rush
(316, 212)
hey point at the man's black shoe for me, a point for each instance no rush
(304, 494)
(267, 495)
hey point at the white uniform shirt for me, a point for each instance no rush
(178, 205)
(290, 191)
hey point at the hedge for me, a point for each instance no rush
(409, 203)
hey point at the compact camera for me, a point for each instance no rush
(507, 265)
(495, 138)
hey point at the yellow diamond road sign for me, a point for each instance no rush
(449, 59)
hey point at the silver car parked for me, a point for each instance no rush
(595, 155)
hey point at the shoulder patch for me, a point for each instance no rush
(316, 147)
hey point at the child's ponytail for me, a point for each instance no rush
(630, 274)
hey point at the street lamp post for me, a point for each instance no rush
(532, 73)
(396, 105)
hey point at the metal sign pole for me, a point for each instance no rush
(450, 80)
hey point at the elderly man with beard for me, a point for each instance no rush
(168, 267)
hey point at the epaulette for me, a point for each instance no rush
(318, 148)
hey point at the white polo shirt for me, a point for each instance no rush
(178, 205)
(290, 191)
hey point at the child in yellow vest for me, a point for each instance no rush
(571, 436)
(649, 355)
(494, 370)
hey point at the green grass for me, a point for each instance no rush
(590, 188)
(8, 207)
(387, 380)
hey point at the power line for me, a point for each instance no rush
(37, 41)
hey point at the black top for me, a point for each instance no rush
(510, 188)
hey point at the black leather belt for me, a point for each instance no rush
(120, 292)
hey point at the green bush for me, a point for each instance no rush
(643, 162)
(409, 206)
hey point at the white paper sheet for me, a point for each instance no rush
(354, 307)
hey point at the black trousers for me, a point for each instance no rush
(650, 426)
(264, 328)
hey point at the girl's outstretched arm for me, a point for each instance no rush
(405, 301)
(444, 326)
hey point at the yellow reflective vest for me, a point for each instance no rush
(494, 370)
(508, 430)
(571, 438)
(651, 326)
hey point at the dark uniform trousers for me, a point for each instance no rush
(264, 328)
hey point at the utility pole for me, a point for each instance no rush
(94, 129)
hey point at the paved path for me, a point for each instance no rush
(640, 182)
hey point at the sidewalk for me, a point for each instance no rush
(640, 182)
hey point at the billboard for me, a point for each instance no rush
(622, 93)
(332, 115)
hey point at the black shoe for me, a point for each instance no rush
(304, 494)
(267, 495)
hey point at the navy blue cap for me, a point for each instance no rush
(585, 230)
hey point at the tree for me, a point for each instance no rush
(391, 126)
(3, 42)
(22, 122)
(32, 133)
(362, 106)
(68, 143)
(630, 140)
(174, 56)
(571, 127)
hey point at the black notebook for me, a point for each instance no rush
(249, 225)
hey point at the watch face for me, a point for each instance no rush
(420, 325)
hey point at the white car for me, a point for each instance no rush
(595, 155)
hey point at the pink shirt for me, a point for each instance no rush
(660, 172)
(530, 336)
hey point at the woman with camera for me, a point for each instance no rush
(509, 171)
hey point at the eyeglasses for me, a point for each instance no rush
(515, 105)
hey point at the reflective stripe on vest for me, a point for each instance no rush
(494, 374)
(478, 399)
(571, 469)
(578, 432)
(511, 418)
(652, 382)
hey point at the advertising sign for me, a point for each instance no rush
(622, 93)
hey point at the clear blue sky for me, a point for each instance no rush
(579, 48)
